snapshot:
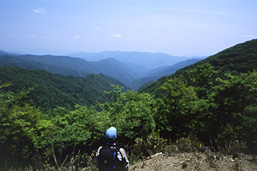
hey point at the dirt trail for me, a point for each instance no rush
(197, 161)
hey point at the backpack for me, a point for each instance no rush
(108, 160)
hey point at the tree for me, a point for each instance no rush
(132, 113)
(177, 109)
(237, 110)
(21, 127)
(188, 103)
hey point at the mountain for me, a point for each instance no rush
(116, 69)
(169, 70)
(72, 66)
(4, 53)
(128, 72)
(240, 58)
(52, 90)
(145, 59)
(8, 60)
(155, 74)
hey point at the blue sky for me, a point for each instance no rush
(176, 27)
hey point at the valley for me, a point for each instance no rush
(128, 72)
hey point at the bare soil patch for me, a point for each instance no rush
(197, 161)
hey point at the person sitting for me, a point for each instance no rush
(110, 156)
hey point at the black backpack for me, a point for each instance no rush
(108, 159)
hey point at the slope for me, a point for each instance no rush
(200, 161)
(7, 60)
(67, 65)
(157, 73)
(52, 90)
(240, 58)
(166, 71)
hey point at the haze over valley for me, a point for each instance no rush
(127, 67)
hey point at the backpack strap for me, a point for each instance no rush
(117, 148)
(115, 156)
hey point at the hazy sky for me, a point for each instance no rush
(177, 27)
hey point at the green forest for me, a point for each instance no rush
(48, 90)
(210, 103)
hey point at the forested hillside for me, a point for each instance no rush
(238, 59)
(205, 106)
(65, 65)
(130, 74)
(157, 73)
(8, 60)
(51, 90)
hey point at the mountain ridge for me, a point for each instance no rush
(50, 90)
(72, 66)
(154, 60)
(240, 58)
(128, 73)
(157, 73)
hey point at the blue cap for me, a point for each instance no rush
(111, 133)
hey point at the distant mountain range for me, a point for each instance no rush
(130, 74)
(4, 53)
(157, 73)
(145, 59)
(72, 66)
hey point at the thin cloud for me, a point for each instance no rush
(77, 37)
(96, 28)
(49, 37)
(148, 38)
(117, 36)
(39, 10)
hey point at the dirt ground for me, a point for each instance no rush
(197, 161)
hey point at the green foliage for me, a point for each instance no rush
(184, 165)
(219, 111)
(238, 59)
(74, 133)
(236, 112)
(186, 103)
(150, 145)
(132, 113)
(81, 126)
(180, 102)
(21, 128)
(51, 90)
(202, 78)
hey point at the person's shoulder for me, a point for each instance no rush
(122, 149)
(98, 150)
